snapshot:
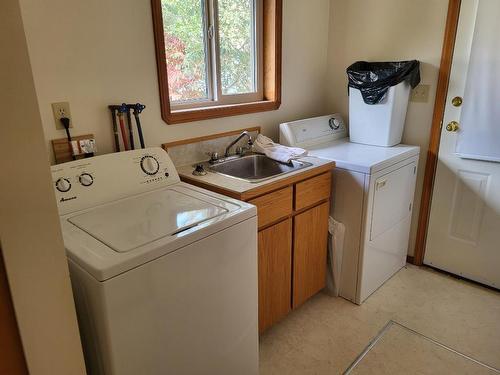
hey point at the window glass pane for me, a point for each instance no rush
(183, 25)
(237, 46)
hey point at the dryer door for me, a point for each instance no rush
(393, 199)
(387, 226)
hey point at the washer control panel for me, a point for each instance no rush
(309, 132)
(92, 181)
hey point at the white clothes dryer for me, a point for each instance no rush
(373, 189)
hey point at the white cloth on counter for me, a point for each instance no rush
(276, 151)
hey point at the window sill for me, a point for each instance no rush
(205, 113)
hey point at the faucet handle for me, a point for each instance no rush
(214, 156)
(199, 170)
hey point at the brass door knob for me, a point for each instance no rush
(457, 101)
(452, 126)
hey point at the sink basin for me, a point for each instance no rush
(256, 167)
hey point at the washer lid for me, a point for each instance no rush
(127, 224)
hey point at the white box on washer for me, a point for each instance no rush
(379, 124)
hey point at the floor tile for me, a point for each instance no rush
(326, 334)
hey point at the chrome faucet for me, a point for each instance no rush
(245, 133)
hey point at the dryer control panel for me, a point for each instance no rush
(312, 131)
(85, 183)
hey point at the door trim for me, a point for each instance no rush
(12, 359)
(435, 134)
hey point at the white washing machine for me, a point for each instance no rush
(164, 274)
(373, 190)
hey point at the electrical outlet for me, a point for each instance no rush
(420, 94)
(61, 110)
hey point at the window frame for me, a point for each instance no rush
(268, 95)
(215, 96)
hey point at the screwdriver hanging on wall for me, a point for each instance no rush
(121, 113)
(115, 129)
(130, 132)
(138, 108)
(118, 113)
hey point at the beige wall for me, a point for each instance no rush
(98, 52)
(381, 30)
(102, 52)
(29, 223)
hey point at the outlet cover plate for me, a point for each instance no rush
(420, 94)
(60, 110)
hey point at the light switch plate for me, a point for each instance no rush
(60, 110)
(420, 94)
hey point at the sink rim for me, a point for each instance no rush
(298, 163)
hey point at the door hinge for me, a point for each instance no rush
(211, 32)
(409, 208)
(414, 169)
(441, 125)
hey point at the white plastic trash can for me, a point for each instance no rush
(379, 124)
(334, 258)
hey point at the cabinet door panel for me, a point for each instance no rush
(275, 267)
(309, 253)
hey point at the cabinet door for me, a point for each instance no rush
(275, 268)
(309, 252)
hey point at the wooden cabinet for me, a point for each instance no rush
(275, 273)
(310, 236)
(292, 240)
(292, 252)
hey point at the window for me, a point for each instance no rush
(217, 57)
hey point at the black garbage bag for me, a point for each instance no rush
(373, 79)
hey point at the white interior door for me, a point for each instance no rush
(464, 228)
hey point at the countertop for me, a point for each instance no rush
(244, 190)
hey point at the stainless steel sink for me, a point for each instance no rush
(256, 167)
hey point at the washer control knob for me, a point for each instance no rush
(63, 185)
(86, 179)
(150, 165)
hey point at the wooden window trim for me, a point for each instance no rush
(272, 33)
